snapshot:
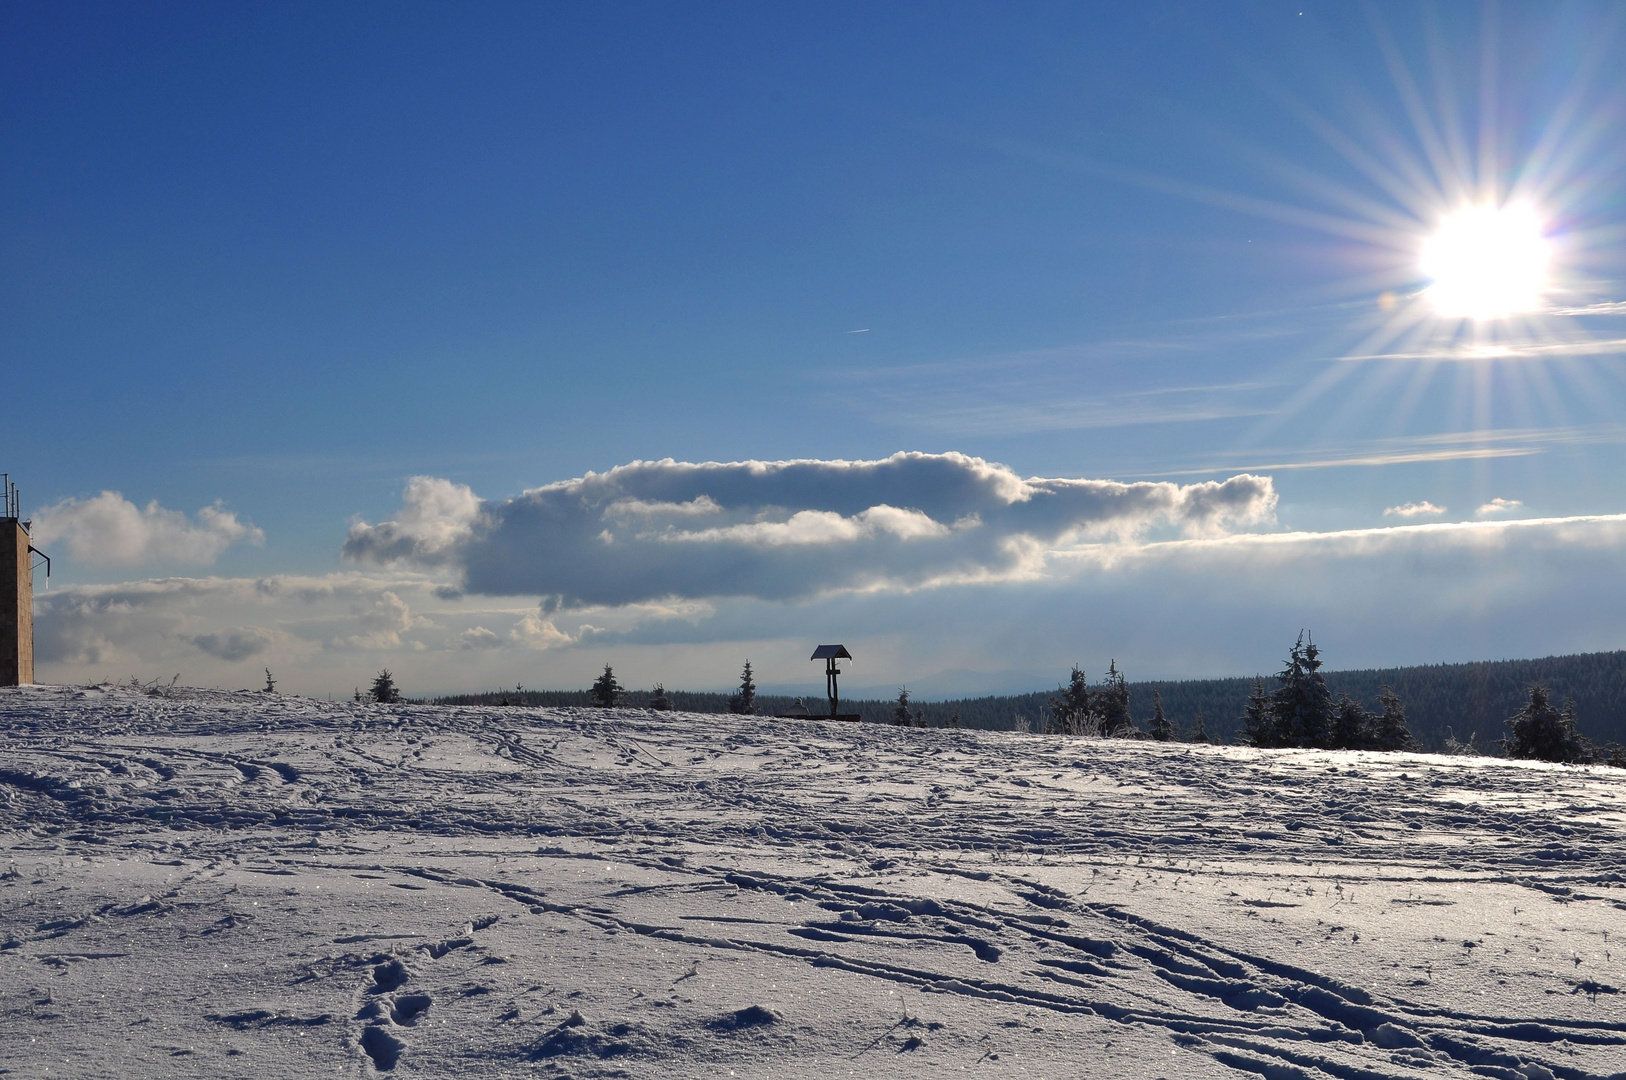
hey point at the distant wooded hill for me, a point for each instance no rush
(1442, 700)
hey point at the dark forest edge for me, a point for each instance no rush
(1448, 707)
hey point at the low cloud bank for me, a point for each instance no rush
(1176, 608)
(782, 530)
(216, 628)
(929, 565)
(110, 530)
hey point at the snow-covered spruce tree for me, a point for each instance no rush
(605, 691)
(1302, 705)
(1199, 729)
(1071, 708)
(1258, 725)
(1351, 725)
(1543, 732)
(660, 701)
(1112, 704)
(384, 690)
(1162, 730)
(1389, 730)
(744, 700)
(901, 713)
(270, 683)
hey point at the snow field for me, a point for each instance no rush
(214, 884)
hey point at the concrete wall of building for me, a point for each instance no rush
(16, 605)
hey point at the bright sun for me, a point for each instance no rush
(1487, 262)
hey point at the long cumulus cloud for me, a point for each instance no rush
(783, 530)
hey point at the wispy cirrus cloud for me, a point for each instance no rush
(1480, 445)
(1530, 349)
(1066, 389)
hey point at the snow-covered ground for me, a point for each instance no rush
(219, 884)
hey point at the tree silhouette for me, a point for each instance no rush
(1073, 707)
(744, 700)
(1389, 730)
(1301, 706)
(605, 691)
(383, 690)
(901, 714)
(1543, 732)
(1351, 725)
(660, 701)
(1112, 703)
(1199, 730)
(1162, 730)
(1258, 726)
(270, 683)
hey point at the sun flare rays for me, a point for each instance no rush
(1486, 237)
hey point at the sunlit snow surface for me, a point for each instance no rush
(244, 884)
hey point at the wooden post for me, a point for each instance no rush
(830, 674)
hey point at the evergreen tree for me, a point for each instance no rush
(1258, 726)
(744, 700)
(1540, 731)
(1389, 730)
(1302, 705)
(901, 715)
(1162, 730)
(660, 701)
(357, 698)
(1199, 730)
(270, 683)
(1351, 725)
(1112, 704)
(384, 690)
(1073, 706)
(605, 691)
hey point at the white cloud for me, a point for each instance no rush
(1414, 509)
(478, 637)
(818, 527)
(1499, 506)
(535, 632)
(110, 530)
(783, 530)
(383, 622)
(436, 516)
(699, 506)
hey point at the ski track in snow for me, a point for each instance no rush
(219, 884)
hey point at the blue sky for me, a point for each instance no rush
(277, 261)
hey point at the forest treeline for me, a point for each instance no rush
(1444, 703)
